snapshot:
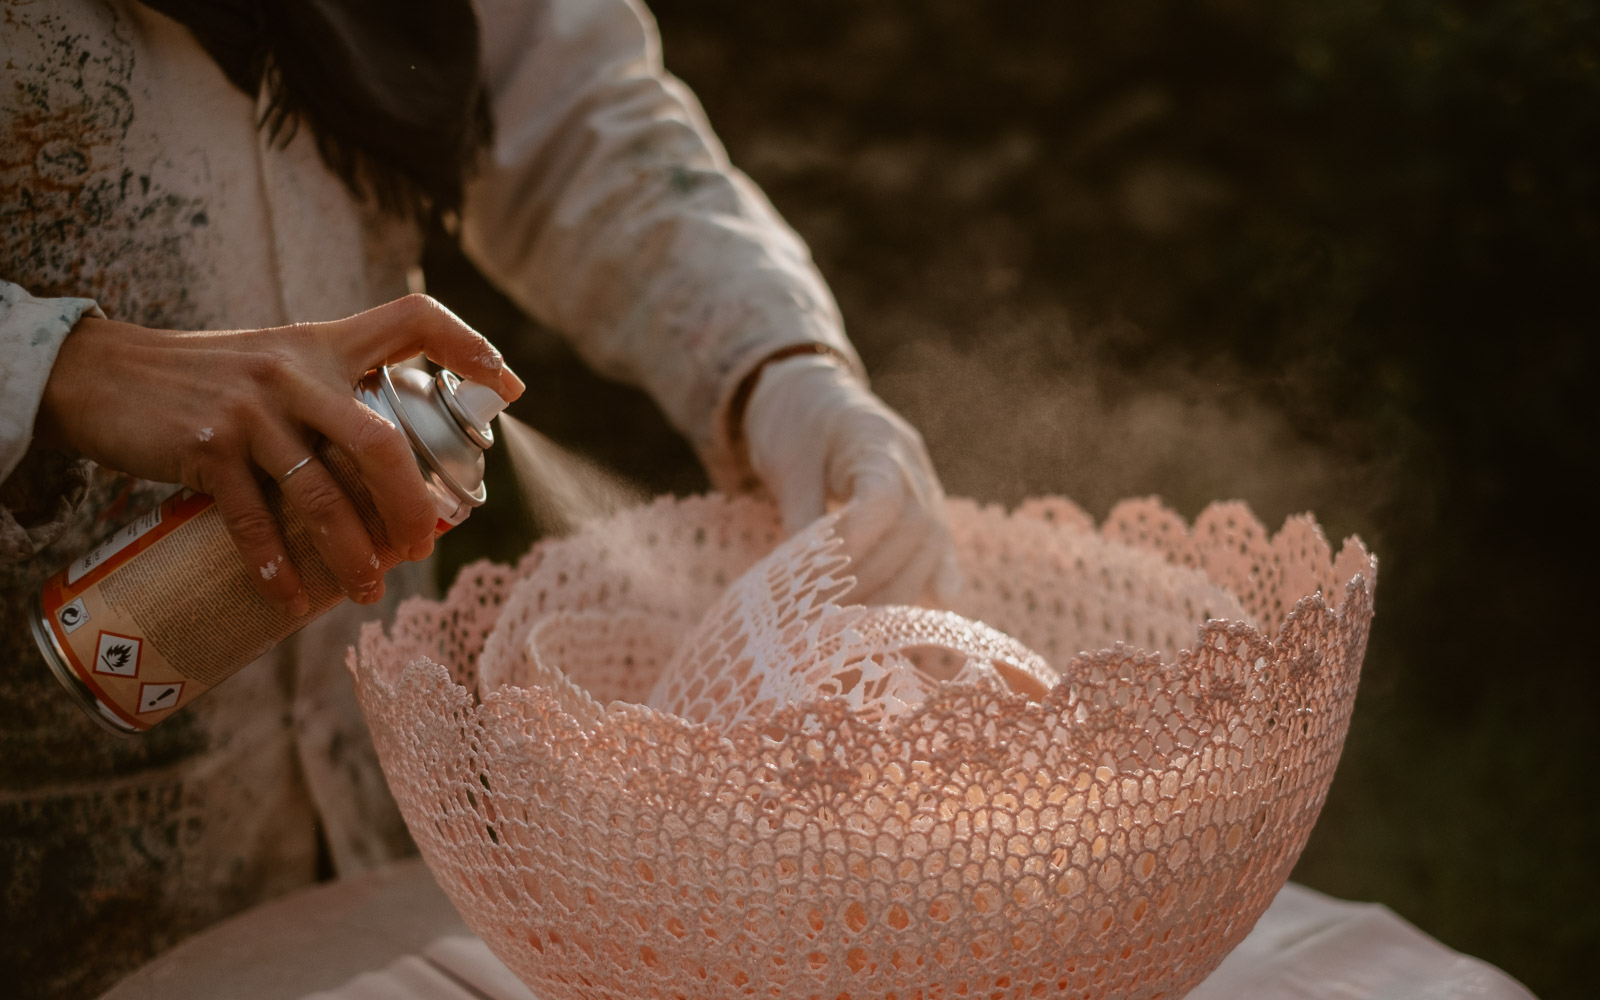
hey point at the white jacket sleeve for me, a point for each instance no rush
(609, 211)
(38, 492)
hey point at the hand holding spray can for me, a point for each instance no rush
(162, 610)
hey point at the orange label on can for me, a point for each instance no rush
(103, 645)
(163, 609)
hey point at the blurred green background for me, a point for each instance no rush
(1322, 256)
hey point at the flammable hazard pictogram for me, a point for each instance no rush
(155, 697)
(117, 655)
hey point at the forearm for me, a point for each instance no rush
(610, 212)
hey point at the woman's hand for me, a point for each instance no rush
(216, 410)
(815, 434)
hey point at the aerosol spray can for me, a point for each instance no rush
(162, 610)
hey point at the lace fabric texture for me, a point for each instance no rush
(663, 758)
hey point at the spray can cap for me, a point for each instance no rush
(473, 405)
(445, 419)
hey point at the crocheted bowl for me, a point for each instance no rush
(1115, 837)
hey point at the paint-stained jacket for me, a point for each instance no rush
(133, 179)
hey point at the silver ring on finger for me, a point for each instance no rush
(296, 467)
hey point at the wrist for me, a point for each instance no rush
(62, 392)
(808, 355)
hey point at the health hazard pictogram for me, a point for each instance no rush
(117, 655)
(155, 697)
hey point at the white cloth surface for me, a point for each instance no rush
(449, 968)
(1310, 946)
(1307, 946)
(391, 934)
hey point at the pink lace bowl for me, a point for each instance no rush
(1114, 838)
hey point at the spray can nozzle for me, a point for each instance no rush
(446, 421)
(473, 405)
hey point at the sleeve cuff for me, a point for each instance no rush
(40, 490)
(727, 459)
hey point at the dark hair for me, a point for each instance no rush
(392, 90)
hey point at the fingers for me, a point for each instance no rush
(899, 553)
(887, 571)
(330, 519)
(801, 500)
(917, 582)
(255, 533)
(222, 407)
(385, 461)
(314, 400)
(398, 330)
(875, 495)
(816, 434)
(893, 525)
(914, 564)
(948, 579)
(874, 534)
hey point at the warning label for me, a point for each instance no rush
(72, 615)
(155, 697)
(117, 655)
(121, 539)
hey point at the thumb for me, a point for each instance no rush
(948, 581)
(801, 500)
(417, 324)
